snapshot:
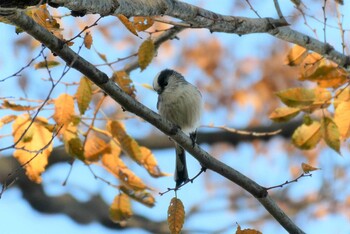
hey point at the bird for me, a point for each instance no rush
(180, 102)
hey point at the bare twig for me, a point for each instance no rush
(289, 182)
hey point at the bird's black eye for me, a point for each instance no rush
(163, 77)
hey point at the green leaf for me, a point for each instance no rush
(84, 94)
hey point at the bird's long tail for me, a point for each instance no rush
(181, 174)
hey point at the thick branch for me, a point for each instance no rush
(200, 18)
(130, 104)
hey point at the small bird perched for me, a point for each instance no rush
(181, 103)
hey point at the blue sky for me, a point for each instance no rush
(16, 216)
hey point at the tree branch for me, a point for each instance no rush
(130, 104)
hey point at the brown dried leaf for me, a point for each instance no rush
(307, 168)
(145, 53)
(123, 80)
(129, 25)
(247, 231)
(88, 40)
(15, 107)
(176, 216)
(142, 23)
(141, 196)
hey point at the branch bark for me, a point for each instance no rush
(128, 103)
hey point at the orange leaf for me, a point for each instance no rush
(142, 23)
(127, 24)
(307, 168)
(64, 109)
(247, 231)
(150, 163)
(123, 80)
(146, 53)
(297, 97)
(176, 215)
(88, 40)
(128, 144)
(296, 55)
(120, 210)
(72, 142)
(94, 147)
(33, 147)
(116, 166)
(7, 119)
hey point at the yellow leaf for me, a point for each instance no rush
(150, 163)
(116, 166)
(307, 168)
(310, 64)
(95, 147)
(64, 109)
(7, 119)
(341, 118)
(127, 24)
(146, 53)
(33, 152)
(147, 86)
(328, 76)
(102, 56)
(142, 23)
(296, 55)
(128, 144)
(247, 231)
(284, 114)
(84, 94)
(120, 210)
(141, 196)
(46, 64)
(123, 80)
(342, 95)
(307, 136)
(88, 40)
(9, 105)
(330, 133)
(176, 216)
(297, 97)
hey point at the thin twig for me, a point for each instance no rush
(289, 182)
